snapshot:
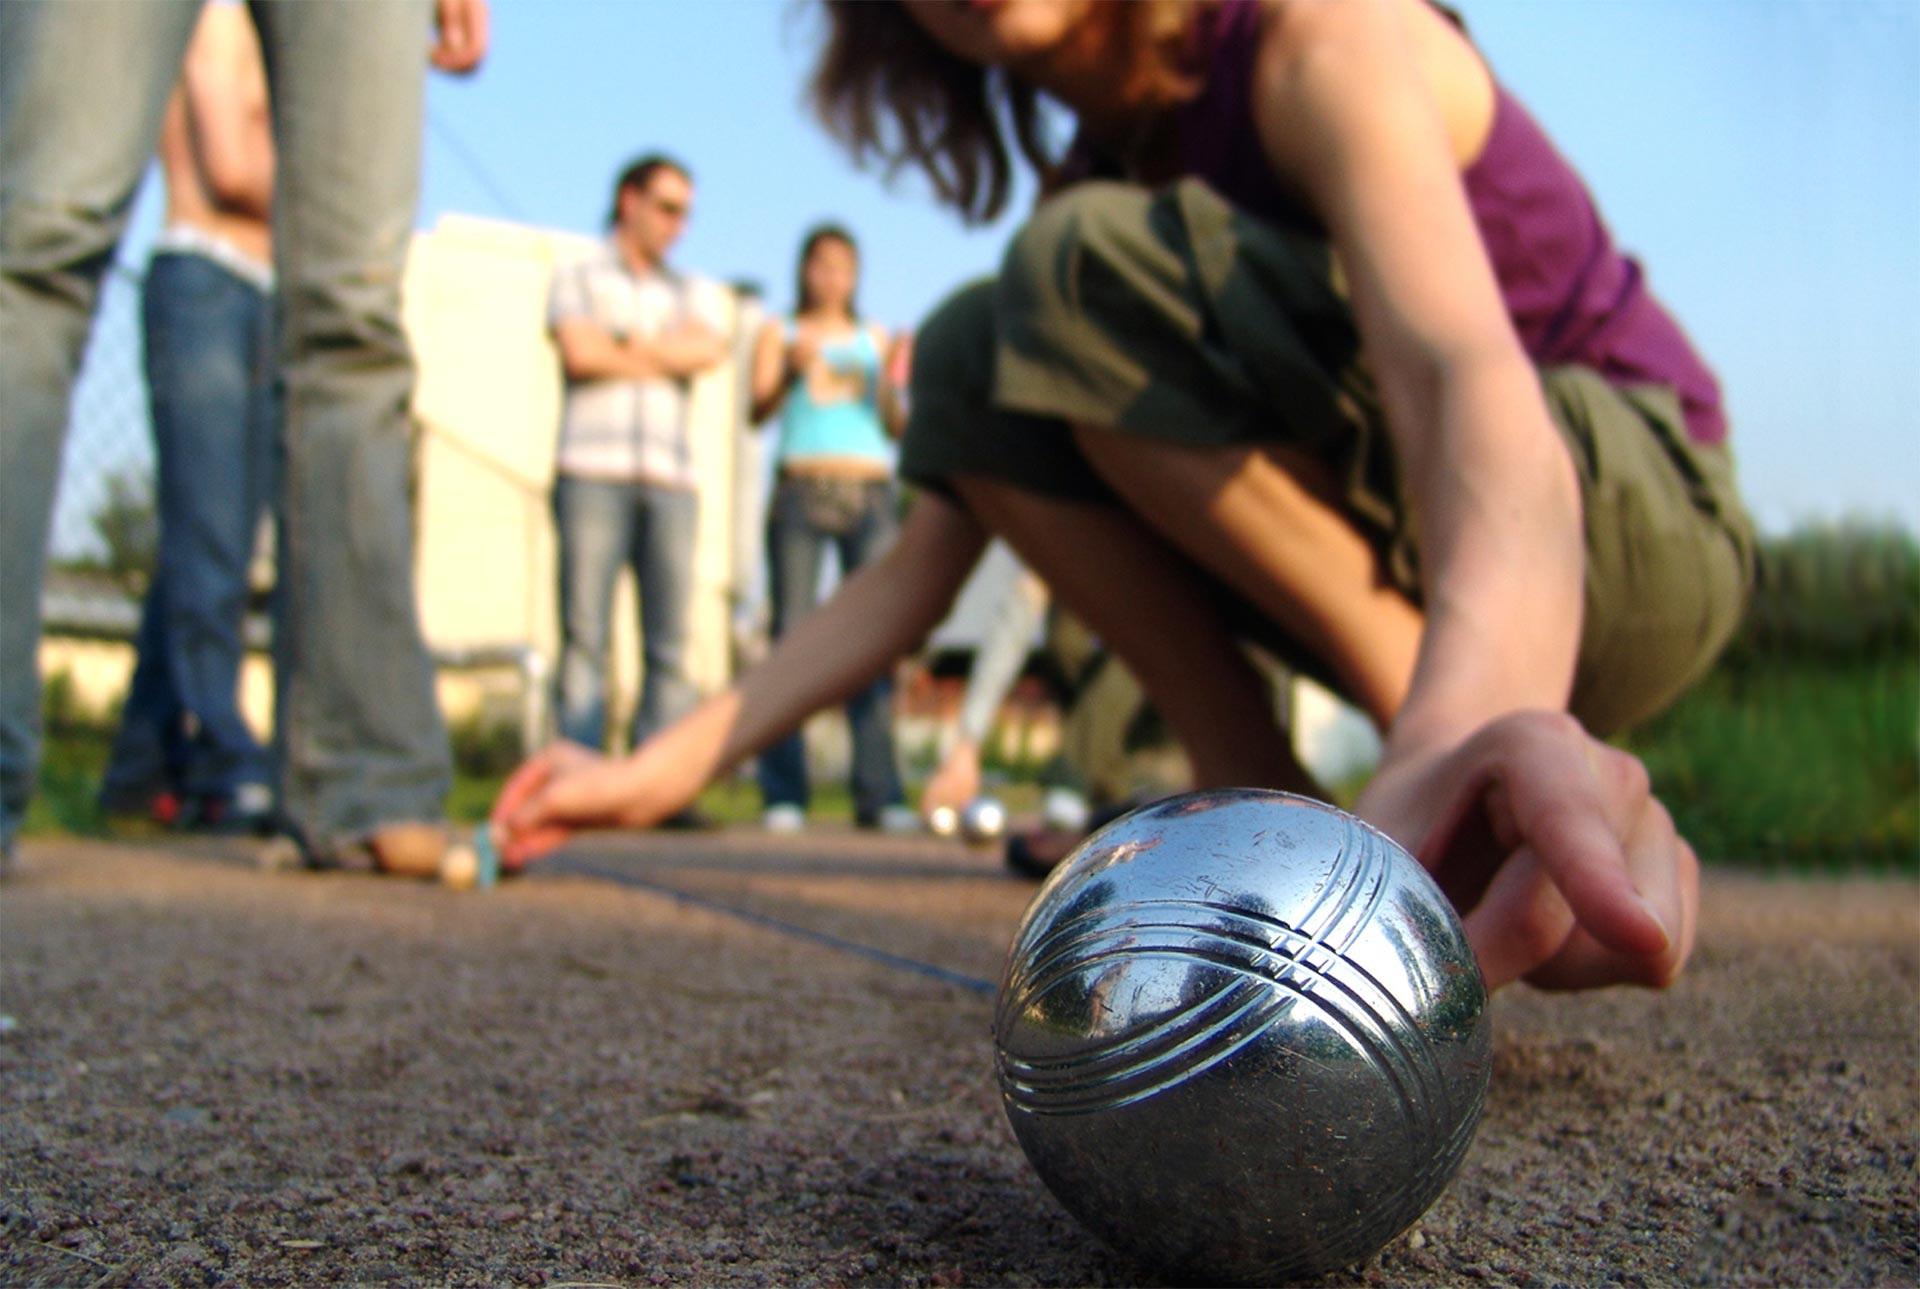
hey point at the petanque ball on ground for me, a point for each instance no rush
(1241, 1036)
(944, 821)
(984, 820)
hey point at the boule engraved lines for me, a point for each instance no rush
(1280, 965)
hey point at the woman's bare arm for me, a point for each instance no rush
(879, 614)
(1572, 872)
(771, 377)
(1349, 114)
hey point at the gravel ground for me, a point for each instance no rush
(216, 1076)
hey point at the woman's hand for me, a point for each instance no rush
(566, 787)
(1567, 871)
(899, 358)
(956, 783)
(880, 612)
(460, 35)
(803, 351)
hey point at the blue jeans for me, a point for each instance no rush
(210, 380)
(858, 519)
(605, 526)
(358, 737)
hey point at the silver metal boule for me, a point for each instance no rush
(984, 820)
(1241, 1036)
(943, 821)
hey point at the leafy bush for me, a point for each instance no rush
(1802, 749)
(1834, 590)
(483, 748)
(1810, 764)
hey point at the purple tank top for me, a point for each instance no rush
(1573, 297)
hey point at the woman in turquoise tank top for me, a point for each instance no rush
(822, 371)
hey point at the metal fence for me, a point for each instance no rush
(105, 524)
(109, 436)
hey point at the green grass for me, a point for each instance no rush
(1804, 764)
(73, 758)
(1800, 764)
(1801, 752)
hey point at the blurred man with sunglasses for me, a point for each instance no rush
(632, 334)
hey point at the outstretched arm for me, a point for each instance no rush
(1003, 650)
(880, 613)
(776, 366)
(1566, 869)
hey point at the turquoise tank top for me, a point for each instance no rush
(843, 428)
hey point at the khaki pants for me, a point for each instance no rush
(1171, 315)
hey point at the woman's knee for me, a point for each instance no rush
(953, 349)
(1043, 271)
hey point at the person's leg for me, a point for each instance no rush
(82, 88)
(263, 450)
(1211, 368)
(1162, 615)
(876, 772)
(140, 778)
(1670, 561)
(595, 522)
(796, 549)
(360, 737)
(1141, 316)
(1022, 476)
(204, 364)
(1264, 523)
(662, 554)
(1004, 648)
(1106, 706)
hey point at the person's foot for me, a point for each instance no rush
(412, 849)
(1039, 851)
(784, 817)
(247, 811)
(692, 819)
(1065, 808)
(416, 849)
(896, 820)
(160, 806)
(282, 854)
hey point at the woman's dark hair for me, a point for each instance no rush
(638, 174)
(819, 233)
(887, 89)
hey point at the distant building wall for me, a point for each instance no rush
(488, 405)
(489, 399)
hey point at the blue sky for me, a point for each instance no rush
(1761, 156)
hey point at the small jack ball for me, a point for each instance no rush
(1242, 1037)
(459, 868)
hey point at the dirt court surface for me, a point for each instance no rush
(217, 1076)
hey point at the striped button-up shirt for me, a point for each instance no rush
(628, 430)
